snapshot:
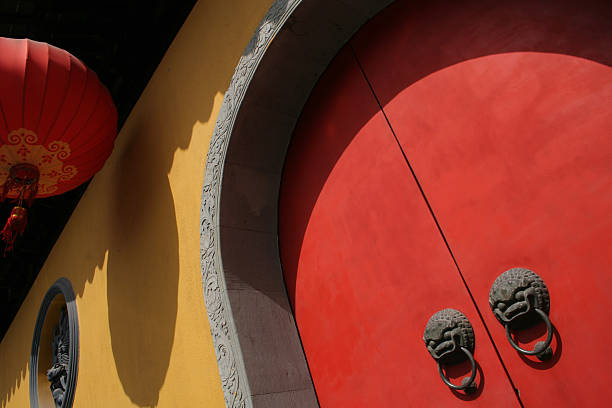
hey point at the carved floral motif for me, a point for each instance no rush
(229, 359)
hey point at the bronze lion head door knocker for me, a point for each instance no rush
(519, 299)
(449, 338)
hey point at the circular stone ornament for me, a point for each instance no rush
(68, 362)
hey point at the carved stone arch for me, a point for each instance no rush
(260, 358)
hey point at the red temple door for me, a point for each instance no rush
(364, 262)
(512, 146)
(427, 162)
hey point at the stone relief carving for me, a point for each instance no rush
(64, 369)
(224, 335)
(229, 359)
(58, 373)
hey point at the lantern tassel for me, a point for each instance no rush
(14, 227)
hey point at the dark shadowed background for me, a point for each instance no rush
(123, 42)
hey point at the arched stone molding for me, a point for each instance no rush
(61, 287)
(260, 358)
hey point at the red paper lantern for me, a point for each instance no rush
(57, 125)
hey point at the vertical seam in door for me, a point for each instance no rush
(433, 215)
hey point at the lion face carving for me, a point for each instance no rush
(515, 294)
(446, 332)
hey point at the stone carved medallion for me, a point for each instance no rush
(58, 373)
(64, 342)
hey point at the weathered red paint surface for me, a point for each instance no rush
(514, 153)
(518, 174)
(503, 111)
(364, 262)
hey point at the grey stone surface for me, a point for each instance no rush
(257, 345)
(289, 399)
(63, 287)
(272, 352)
(250, 260)
(249, 199)
(289, 95)
(263, 143)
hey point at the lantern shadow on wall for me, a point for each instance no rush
(104, 229)
(126, 227)
(148, 211)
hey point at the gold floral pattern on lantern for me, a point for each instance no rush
(22, 147)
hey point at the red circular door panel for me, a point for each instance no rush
(506, 120)
(364, 262)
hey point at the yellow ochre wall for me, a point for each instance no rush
(131, 248)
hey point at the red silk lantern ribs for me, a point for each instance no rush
(58, 124)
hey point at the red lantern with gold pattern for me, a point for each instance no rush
(58, 124)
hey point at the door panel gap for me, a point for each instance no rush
(433, 215)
